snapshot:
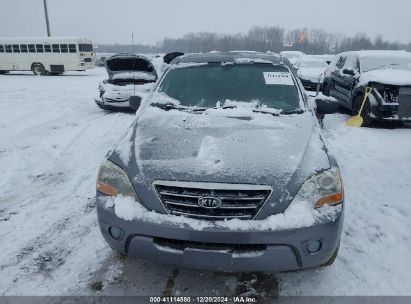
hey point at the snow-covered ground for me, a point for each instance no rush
(52, 140)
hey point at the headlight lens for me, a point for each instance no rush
(113, 181)
(325, 188)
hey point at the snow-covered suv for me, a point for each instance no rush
(129, 74)
(225, 168)
(387, 72)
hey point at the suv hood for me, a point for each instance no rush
(130, 67)
(256, 149)
(389, 76)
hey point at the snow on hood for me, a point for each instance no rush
(222, 146)
(388, 76)
(248, 147)
(311, 73)
(298, 215)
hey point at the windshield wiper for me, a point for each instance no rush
(289, 112)
(266, 112)
(171, 106)
(227, 107)
(279, 113)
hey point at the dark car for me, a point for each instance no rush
(224, 168)
(387, 72)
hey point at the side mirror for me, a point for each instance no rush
(350, 72)
(134, 102)
(326, 105)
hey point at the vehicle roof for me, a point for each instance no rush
(9, 39)
(378, 53)
(292, 52)
(230, 57)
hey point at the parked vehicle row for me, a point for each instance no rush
(347, 75)
(388, 73)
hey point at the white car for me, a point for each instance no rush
(129, 74)
(292, 56)
(311, 71)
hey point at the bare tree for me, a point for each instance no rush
(258, 38)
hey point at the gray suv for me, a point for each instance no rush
(224, 168)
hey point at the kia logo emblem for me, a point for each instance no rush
(209, 202)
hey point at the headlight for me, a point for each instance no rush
(325, 188)
(113, 181)
(101, 88)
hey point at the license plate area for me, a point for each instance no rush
(404, 103)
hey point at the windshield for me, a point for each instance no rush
(85, 47)
(208, 85)
(388, 62)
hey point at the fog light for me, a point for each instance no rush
(116, 233)
(314, 246)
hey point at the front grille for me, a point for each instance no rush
(181, 245)
(237, 201)
(87, 59)
(390, 94)
(110, 100)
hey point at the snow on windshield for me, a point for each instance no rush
(205, 85)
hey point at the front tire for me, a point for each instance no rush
(366, 112)
(326, 89)
(38, 69)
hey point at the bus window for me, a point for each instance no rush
(72, 48)
(16, 48)
(8, 48)
(23, 48)
(64, 48)
(1, 48)
(85, 47)
(39, 48)
(32, 49)
(47, 48)
(56, 48)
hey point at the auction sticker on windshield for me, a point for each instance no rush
(279, 78)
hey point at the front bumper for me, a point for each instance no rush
(284, 250)
(399, 110)
(115, 104)
(310, 85)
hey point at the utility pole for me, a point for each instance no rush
(47, 18)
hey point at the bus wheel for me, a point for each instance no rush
(38, 69)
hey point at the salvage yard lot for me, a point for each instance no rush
(52, 140)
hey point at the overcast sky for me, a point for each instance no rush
(108, 21)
